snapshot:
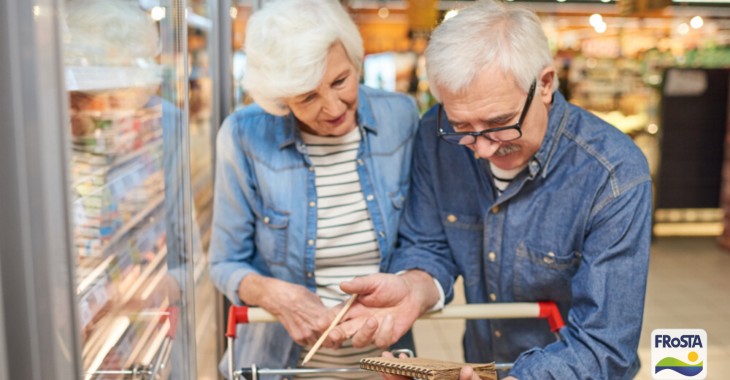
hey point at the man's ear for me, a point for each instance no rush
(546, 78)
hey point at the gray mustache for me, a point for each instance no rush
(507, 149)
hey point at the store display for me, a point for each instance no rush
(117, 182)
(119, 230)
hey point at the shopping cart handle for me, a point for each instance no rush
(236, 315)
(546, 310)
(245, 314)
(549, 311)
(171, 314)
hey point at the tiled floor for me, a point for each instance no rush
(689, 287)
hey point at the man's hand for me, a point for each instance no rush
(386, 308)
(297, 308)
(387, 376)
(467, 373)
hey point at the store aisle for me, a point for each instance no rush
(689, 281)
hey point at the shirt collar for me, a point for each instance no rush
(557, 118)
(288, 133)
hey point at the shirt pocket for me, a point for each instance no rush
(271, 235)
(464, 234)
(543, 274)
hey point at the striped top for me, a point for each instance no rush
(346, 242)
(502, 178)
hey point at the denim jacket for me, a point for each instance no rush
(573, 227)
(265, 213)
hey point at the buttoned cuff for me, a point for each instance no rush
(442, 298)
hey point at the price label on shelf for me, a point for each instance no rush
(85, 313)
(79, 212)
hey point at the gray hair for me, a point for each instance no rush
(485, 35)
(287, 43)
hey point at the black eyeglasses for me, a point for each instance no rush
(499, 134)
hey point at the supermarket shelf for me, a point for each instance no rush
(136, 220)
(146, 274)
(688, 229)
(96, 274)
(97, 78)
(102, 169)
(145, 340)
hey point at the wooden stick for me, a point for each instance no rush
(327, 332)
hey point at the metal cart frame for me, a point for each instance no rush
(243, 314)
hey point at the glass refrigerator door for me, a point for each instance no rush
(240, 12)
(135, 238)
(204, 120)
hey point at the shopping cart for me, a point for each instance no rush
(244, 314)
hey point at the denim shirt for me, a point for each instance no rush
(265, 204)
(573, 228)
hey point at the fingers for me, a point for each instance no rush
(384, 335)
(393, 377)
(364, 331)
(388, 354)
(360, 285)
(344, 331)
(303, 335)
(364, 335)
(467, 373)
(375, 332)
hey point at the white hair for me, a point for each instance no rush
(486, 35)
(287, 43)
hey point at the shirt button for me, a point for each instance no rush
(266, 220)
(311, 168)
(451, 218)
(370, 197)
(312, 204)
(492, 296)
(382, 234)
(310, 274)
(310, 242)
(359, 161)
(549, 259)
(495, 209)
(492, 256)
(498, 334)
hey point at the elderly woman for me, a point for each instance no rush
(310, 181)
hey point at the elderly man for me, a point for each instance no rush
(525, 196)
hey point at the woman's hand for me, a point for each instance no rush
(297, 308)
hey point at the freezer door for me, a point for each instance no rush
(137, 245)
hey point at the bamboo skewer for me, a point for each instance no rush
(331, 326)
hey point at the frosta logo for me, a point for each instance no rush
(679, 354)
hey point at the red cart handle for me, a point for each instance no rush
(236, 315)
(549, 311)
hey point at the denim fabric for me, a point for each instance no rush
(573, 227)
(265, 204)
